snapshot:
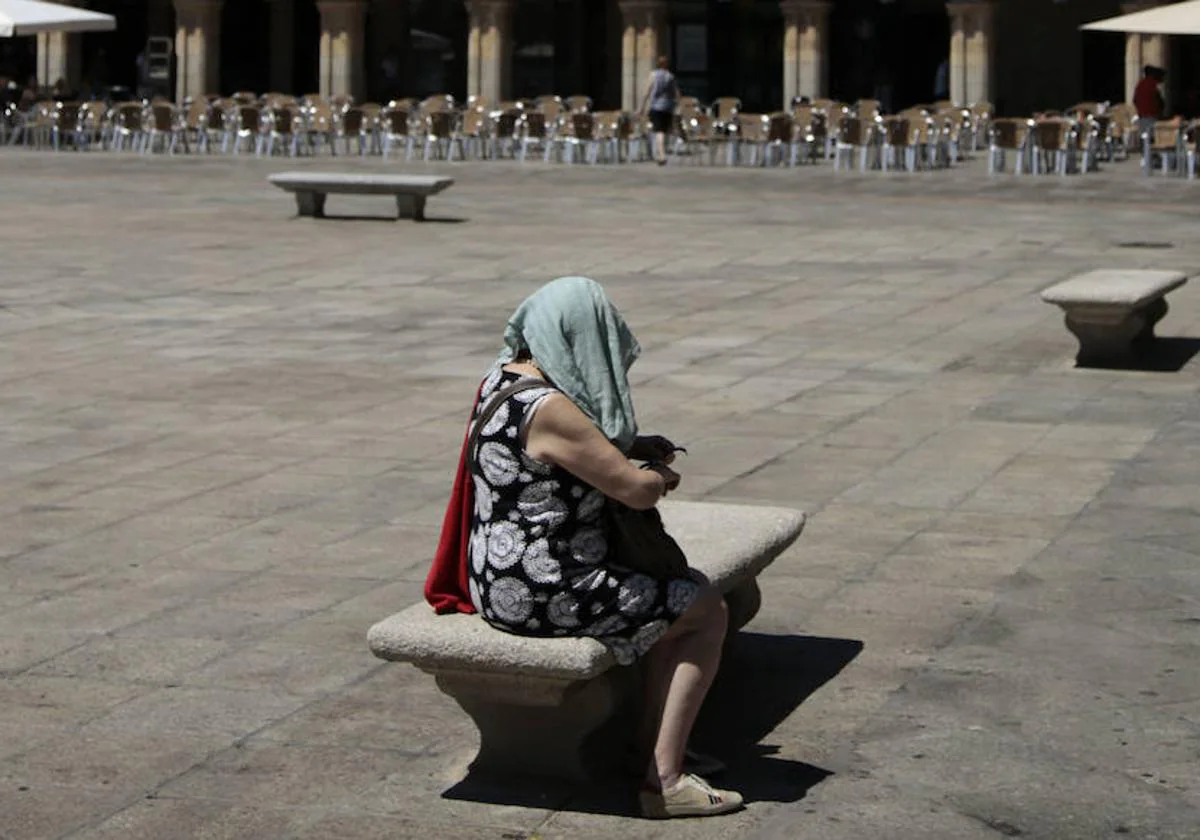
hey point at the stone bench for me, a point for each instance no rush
(1113, 311)
(535, 701)
(311, 188)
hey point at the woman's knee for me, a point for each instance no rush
(708, 611)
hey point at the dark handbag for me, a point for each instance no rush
(638, 541)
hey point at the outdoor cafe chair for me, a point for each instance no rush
(700, 139)
(195, 122)
(351, 124)
(283, 124)
(855, 138)
(1008, 136)
(780, 137)
(898, 143)
(247, 128)
(160, 122)
(394, 126)
(534, 132)
(575, 104)
(319, 126)
(1053, 145)
(1191, 147)
(611, 130)
(724, 111)
(748, 142)
(440, 134)
(503, 138)
(128, 126)
(471, 135)
(1165, 142)
(577, 138)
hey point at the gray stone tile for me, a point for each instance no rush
(212, 485)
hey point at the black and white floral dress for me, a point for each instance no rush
(539, 563)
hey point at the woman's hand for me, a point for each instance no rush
(670, 477)
(653, 448)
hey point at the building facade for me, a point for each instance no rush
(1021, 55)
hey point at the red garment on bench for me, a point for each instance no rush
(446, 586)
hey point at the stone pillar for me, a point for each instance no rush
(1142, 49)
(805, 58)
(342, 54)
(972, 51)
(643, 37)
(489, 46)
(58, 58)
(59, 55)
(197, 47)
(283, 34)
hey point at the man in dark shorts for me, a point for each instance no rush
(662, 93)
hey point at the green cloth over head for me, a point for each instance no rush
(583, 345)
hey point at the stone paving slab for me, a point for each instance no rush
(227, 435)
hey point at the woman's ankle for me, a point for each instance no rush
(667, 781)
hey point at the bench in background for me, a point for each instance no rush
(311, 188)
(1113, 311)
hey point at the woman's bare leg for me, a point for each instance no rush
(680, 669)
(660, 146)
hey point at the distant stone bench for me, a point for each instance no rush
(311, 188)
(1113, 311)
(535, 701)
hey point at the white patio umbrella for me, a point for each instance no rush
(29, 17)
(1176, 19)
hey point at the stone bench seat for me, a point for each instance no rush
(1112, 312)
(565, 689)
(311, 188)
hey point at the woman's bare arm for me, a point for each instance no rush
(561, 434)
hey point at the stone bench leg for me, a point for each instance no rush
(541, 726)
(1112, 335)
(311, 204)
(411, 207)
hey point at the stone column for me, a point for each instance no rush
(59, 55)
(197, 47)
(1142, 49)
(805, 58)
(489, 49)
(972, 51)
(283, 33)
(342, 54)
(643, 38)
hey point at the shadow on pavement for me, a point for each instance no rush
(336, 217)
(1164, 355)
(763, 680)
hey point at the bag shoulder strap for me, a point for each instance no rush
(498, 399)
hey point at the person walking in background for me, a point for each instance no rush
(1148, 99)
(662, 92)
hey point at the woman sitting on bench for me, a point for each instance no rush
(530, 552)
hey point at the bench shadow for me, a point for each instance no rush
(1163, 355)
(436, 220)
(777, 672)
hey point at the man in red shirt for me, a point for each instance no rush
(1148, 100)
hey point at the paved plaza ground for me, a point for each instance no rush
(227, 436)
